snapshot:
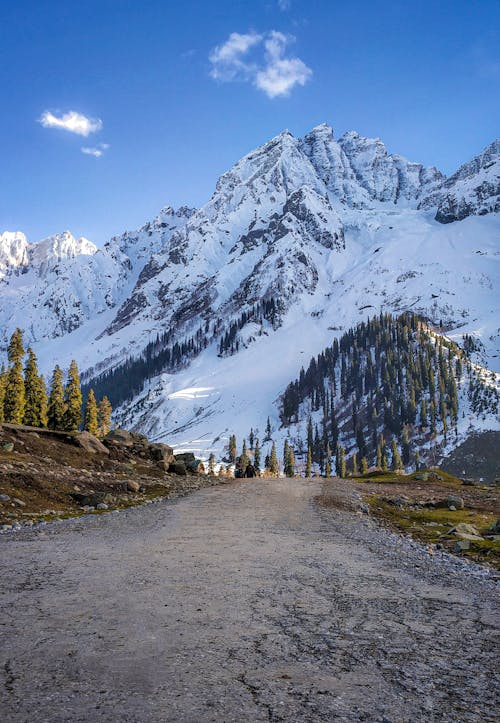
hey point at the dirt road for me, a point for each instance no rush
(244, 602)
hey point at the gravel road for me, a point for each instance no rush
(243, 602)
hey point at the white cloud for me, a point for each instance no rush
(267, 67)
(72, 121)
(280, 74)
(95, 151)
(227, 59)
(284, 5)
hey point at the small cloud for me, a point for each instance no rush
(96, 151)
(280, 74)
(284, 5)
(227, 59)
(72, 121)
(266, 68)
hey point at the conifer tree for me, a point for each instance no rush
(342, 464)
(385, 464)
(290, 462)
(396, 464)
(285, 453)
(417, 460)
(379, 456)
(33, 392)
(211, 464)
(273, 461)
(256, 456)
(251, 438)
(309, 462)
(91, 422)
(73, 398)
(43, 402)
(14, 386)
(364, 465)
(244, 461)
(232, 448)
(104, 411)
(267, 438)
(3, 385)
(405, 447)
(328, 462)
(354, 463)
(57, 405)
(267, 461)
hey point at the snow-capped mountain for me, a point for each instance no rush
(330, 231)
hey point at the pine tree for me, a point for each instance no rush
(405, 448)
(417, 460)
(256, 456)
(354, 463)
(273, 461)
(251, 438)
(211, 464)
(379, 456)
(342, 464)
(57, 405)
(364, 465)
(396, 464)
(309, 462)
(14, 389)
(3, 385)
(285, 454)
(232, 448)
(328, 458)
(91, 422)
(290, 462)
(267, 438)
(73, 398)
(104, 412)
(43, 402)
(33, 392)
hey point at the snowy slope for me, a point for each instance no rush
(332, 231)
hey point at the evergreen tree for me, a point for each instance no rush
(3, 385)
(379, 456)
(385, 464)
(232, 448)
(342, 464)
(43, 402)
(251, 438)
(417, 460)
(267, 461)
(57, 405)
(14, 389)
(33, 392)
(328, 463)
(256, 456)
(354, 463)
(104, 412)
(290, 462)
(273, 461)
(267, 438)
(91, 422)
(244, 462)
(397, 464)
(309, 462)
(244, 448)
(211, 464)
(73, 398)
(405, 448)
(285, 453)
(364, 465)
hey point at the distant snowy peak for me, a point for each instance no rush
(474, 189)
(13, 252)
(17, 255)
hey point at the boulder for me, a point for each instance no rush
(121, 437)
(178, 468)
(162, 454)
(186, 457)
(90, 444)
(4, 498)
(461, 546)
(464, 531)
(456, 502)
(495, 527)
(8, 447)
(90, 499)
(133, 486)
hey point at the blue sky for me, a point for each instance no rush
(172, 94)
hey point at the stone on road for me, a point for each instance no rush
(243, 602)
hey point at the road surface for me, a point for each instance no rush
(244, 602)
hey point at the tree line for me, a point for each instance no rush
(25, 398)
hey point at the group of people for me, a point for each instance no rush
(249, 471)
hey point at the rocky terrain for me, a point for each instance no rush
(47, 475)
(270, 600)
